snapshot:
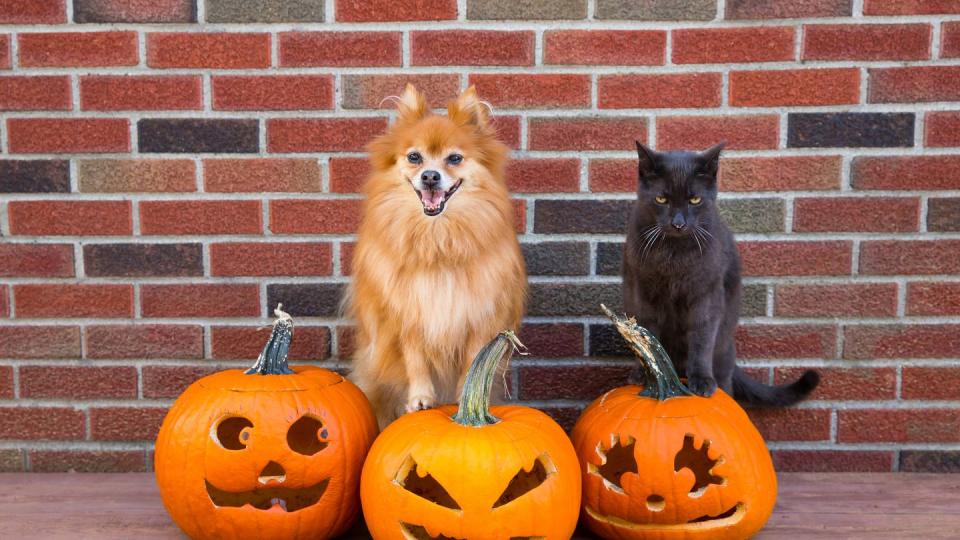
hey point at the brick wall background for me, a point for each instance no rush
(171, 169)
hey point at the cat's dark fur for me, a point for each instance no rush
(681, 276)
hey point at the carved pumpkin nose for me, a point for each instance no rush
(273, 471)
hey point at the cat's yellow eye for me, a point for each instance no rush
(661, 199)
(695, 200)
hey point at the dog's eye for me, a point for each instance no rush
(661, 199)
(454, 159)
(695, 200)
(414, 157)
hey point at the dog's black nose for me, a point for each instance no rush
(431, 179)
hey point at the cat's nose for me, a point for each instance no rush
(678, 222)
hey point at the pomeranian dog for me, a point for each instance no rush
(437, 269)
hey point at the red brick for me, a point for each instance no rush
(261, 175)
(87, 461)
(41, 423)
(35, 93)
(733, 45)
(794, 87)
(345, 341)
(6, 382)
(792, 424)
(311, 343)
(346, 257)
(858, 383)
(551, 175)
(134, 11)
(942, 129)
(856, 214)
(612, 175)
(273, 259)
(273, 92)
(67, 135)
(786, 341)
(519, 215)
(553, 340)
(585, 134)
(4, 301)
(776, 9)
(12, 460)
(533, 91)
(845, 461)
(471, 48)
(4, 51)
(866, 42)
(70, 218)
(36, 260)
(140, 93)
(935, 383)
(369, 91)
(910, 7)
(201, 217)
(898, 426)
(677, 91)
(220, 50)
(599, 47)
(340, 49)
(901, 341)
(395, 10)
(700, 132)
(933, 298)
(33, 12)
(73, 300)
(950, 45)
(786, 173)
(508, 130)
(807, 258)
(171, 381)
(887, 257)
(348, 174)
(322, 134)
(125, 423)
(200, 300)
(300, 216)
(78, 49)
(136, 175)
(906, 172)
(914, 84)
(138, 341)
(841, 300)
(76, 382)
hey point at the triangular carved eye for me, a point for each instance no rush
(425, 487)
(526, 481)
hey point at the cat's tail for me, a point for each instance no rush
(757, 394)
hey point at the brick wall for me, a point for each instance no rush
(172, 168)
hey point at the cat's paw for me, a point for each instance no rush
(702, 386)
(419, 403)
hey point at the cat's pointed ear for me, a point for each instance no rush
(411, 105)
(646, 159)
(468, 109)
(710, 159)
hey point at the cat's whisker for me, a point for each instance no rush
(696, 237)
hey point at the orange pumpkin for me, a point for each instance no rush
(507, 472)
(267, 453)
(659, 462)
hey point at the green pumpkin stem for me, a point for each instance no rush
(660, 379)
(474, 408)
(273, 357)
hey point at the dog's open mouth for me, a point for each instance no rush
(289, 499)
(435, 200)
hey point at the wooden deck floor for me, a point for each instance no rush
(834, 506)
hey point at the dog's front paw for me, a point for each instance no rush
(702, 386)
(419, 403)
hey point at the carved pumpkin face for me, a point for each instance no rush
(264, 456)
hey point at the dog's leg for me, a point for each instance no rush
(420, 392)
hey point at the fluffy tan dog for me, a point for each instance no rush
(437, 269)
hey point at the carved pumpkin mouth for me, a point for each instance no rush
(732, 516)
(419, 532)
(287, 499)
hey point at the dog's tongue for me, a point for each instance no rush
(431, 199)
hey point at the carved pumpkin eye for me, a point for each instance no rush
(615, 462)
(525, 481)
(307, 436)
(425, 487)
(232, 433)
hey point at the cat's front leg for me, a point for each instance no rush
(703, 323)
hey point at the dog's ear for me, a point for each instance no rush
(412, 105)
(467, 109)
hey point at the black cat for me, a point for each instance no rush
(681, 276)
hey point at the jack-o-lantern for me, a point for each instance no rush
(659, 462)
(267, 453)
(472, 472)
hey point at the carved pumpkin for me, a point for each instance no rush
(267, 453)
(507, 472)
(659, 462)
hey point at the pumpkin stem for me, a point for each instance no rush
(660, 379)
(474, 408)
(273, 357)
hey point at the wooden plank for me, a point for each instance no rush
(823, 506)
